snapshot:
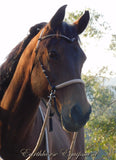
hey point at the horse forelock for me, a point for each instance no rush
(64, 28)
(67, 30)
(8, 68)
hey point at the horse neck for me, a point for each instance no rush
(21, 125)
(22, 112)
(19, 100)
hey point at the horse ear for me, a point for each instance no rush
(81, 24)
(58, 17)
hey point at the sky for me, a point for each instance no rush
(17, 16)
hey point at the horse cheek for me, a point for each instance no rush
(39, 83)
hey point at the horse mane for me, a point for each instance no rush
(8, 68)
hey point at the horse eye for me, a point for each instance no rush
(53, 54)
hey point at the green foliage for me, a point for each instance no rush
(96, 27)
(100, 131)
(112, 45)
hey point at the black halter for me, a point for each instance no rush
(52, 91)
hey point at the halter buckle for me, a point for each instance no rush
(52, 94)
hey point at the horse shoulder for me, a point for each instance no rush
(21, 75)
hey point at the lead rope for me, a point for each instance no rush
(49, 103)
(72, 145)
(46, 135)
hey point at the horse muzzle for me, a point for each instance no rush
(74, 119)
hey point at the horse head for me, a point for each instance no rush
(62, 58)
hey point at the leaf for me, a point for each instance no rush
(100, 155)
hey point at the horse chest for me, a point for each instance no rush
(58, 140)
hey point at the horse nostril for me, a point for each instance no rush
(76, 113)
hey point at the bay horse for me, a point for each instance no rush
(50, 55)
